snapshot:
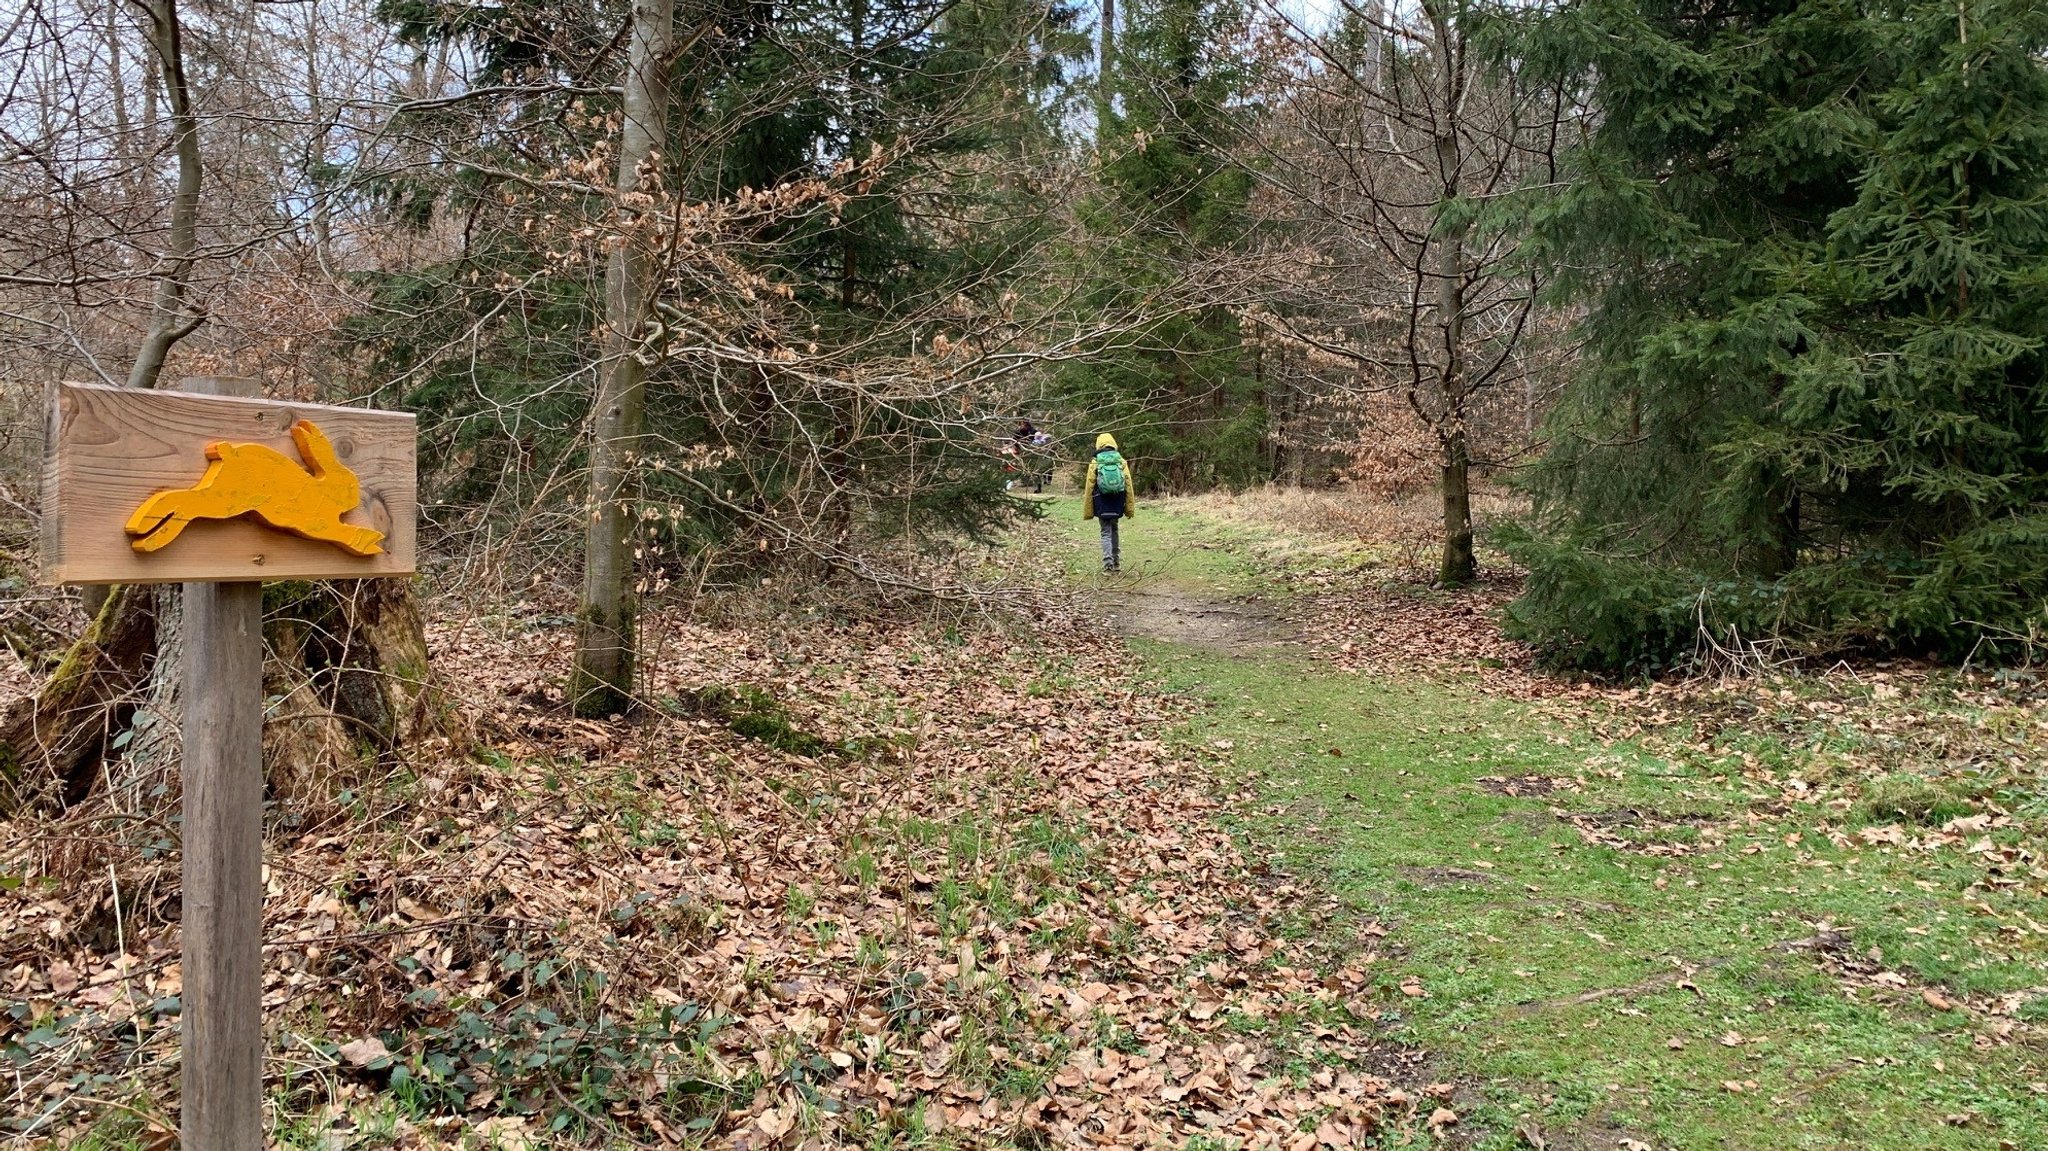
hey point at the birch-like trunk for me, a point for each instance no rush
(1105, 85)
(602, 682)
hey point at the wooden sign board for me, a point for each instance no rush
(143, 486)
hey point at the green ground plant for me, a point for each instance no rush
(1734, 947)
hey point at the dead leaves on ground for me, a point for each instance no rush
(997, 903)
(1363, 621)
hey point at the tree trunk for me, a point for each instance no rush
(51, 742)
(169, 320)
(348, 676)
(836, 512)
(1460, 565)
(1105, 86)
(1780, 547)
(602, 682)
(316, 146)
(345, 673)
(1528, 403)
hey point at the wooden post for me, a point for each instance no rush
(222, 1026)
(219, 489)
(216, 488)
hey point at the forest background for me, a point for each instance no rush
(1741, 308)
(762, 288)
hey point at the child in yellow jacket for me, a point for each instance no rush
(1108, 497)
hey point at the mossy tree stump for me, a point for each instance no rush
(346, 679)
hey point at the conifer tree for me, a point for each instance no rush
(1812, 237)
(1181, 390)
(845, 195)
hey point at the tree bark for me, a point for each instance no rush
(836, 520)
(349, 680)
(1459, 563)
(316, 145)
(170, 320)
(1105, 86)
(345, 671)
(51, 741)
(602, 681)
(1779, 550)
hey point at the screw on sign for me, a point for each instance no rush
(218, 489)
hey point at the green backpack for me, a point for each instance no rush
(1110, 477)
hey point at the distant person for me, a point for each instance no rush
(1106, 496)
(1018, 451)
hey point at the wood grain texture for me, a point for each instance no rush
(222, 1024)
(221, 1028)
(110, 449)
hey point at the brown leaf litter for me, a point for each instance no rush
(992, 901)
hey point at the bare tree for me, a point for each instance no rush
(172, 317)
(1389, 140)
(602, 683)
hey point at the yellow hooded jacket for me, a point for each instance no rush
(1107, 442)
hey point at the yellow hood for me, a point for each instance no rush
(1105, 442)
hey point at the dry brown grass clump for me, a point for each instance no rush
(1406, 530)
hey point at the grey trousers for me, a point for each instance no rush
(1112, 551)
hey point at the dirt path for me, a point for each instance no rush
(1175, 615)
(1177, 587)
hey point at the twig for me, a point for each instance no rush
(152, 1120)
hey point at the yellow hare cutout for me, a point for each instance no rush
(250, 479)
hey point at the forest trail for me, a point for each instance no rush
(1306, 853)
(741, 770)
(1169, 614)
(1176, 588)
(1702, 916)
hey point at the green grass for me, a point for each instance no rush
(1193, 554)
(1601, 991)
